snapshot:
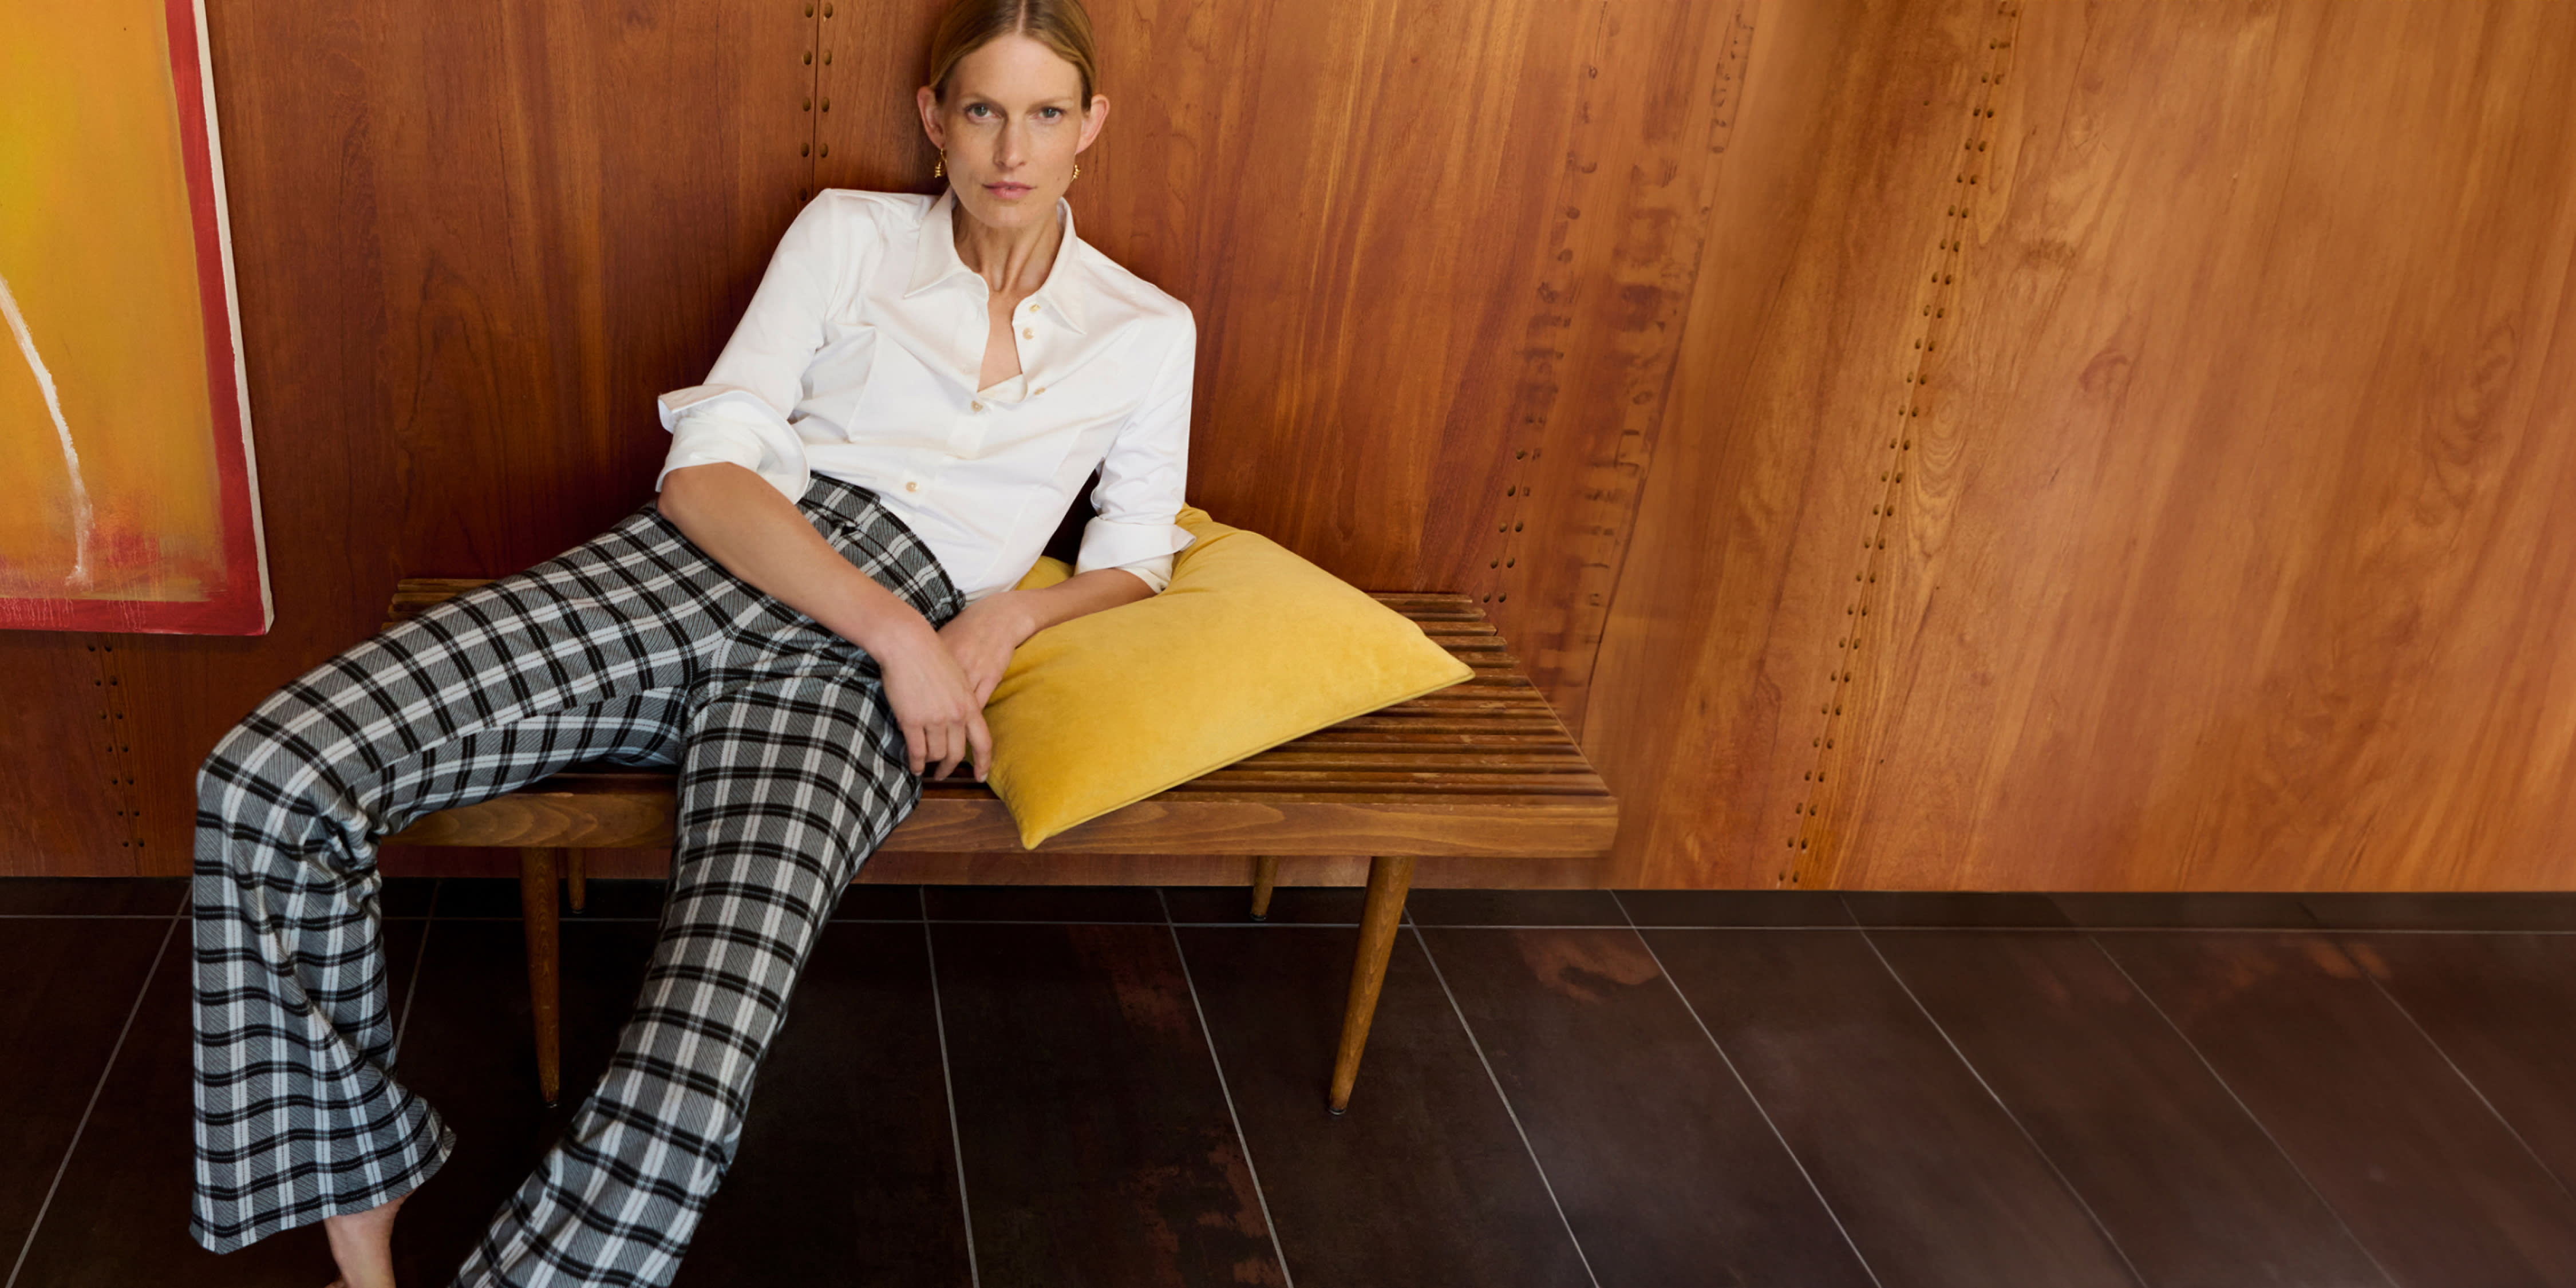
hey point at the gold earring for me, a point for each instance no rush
(1077, 169)
(939, 168)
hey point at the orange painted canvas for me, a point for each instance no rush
(124, 424)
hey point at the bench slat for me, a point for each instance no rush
(1233, 780)
(1534, 761)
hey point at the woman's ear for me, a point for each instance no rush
(927, 99)
(1091, 121)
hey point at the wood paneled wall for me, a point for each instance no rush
(2211, 549)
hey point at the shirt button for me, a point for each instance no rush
(1039, 390)
(912, 487)
(1028, 333)
(975, 406)
(1033, 308)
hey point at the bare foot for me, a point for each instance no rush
(363, 1244)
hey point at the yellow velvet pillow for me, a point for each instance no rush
(1248, 647)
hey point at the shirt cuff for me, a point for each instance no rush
(711, 425)
(1145, 549)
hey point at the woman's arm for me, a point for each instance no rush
(741, 521)
(1080, 594)
(1137, 503)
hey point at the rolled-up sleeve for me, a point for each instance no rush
(740, 414)
(1139, 495)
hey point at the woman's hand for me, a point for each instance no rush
(941, 712)
(971, 652)
(982, 637)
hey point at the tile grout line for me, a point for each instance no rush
(419, 958)
(948, 1084)
(2454, 1066)
(2246, 1109)
(83, 916)
(95, 1092)
(2009, 1116)
(1217, 1063)
(1935, 928)
(1506, 1099)
(1692, 1010)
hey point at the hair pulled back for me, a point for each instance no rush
(968, 25)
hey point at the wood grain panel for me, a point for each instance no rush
(1594, 340)
(1727, 647)
(869, 57)
(2244, 571)
(65, 746)
(2221, 556)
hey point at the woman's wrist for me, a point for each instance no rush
(1020, 610)
(1077, 596)
(879, 621)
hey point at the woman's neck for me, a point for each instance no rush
(1013, 262)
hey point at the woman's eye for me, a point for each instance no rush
(1052, 112)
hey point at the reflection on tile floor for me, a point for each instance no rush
(1125, 1087)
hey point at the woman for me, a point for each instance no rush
(811, 616)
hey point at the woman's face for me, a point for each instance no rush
(1011, 125)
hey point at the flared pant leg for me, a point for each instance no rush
(789, 782)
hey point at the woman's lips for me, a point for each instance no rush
(1008, 190)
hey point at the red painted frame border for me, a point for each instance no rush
(240, 605)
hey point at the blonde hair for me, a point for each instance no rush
(968, 25)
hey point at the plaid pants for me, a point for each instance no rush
(633, 648)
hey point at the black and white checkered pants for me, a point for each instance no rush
(633, 648)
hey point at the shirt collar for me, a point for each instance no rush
(935, 261)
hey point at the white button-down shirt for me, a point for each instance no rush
(858, 359)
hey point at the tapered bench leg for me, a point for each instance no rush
(574, 887)
(1265, 878)
(1390, 875)
(537, 914)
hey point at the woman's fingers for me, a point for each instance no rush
(961, 747)
(947, 744)
(943, 749)
(982, 740)
(940, 746)
(939, 750)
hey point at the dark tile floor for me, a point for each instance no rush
(1124, 1087)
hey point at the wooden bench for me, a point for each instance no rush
(1483, 768)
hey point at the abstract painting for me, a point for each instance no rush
(124, 421)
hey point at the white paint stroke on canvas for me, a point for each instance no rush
(62, 430)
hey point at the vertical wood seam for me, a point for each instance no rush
(817, 54)
(116, 736)
(1624, 314)
(1527, 422)
(1814, 856)
(1535, 402)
